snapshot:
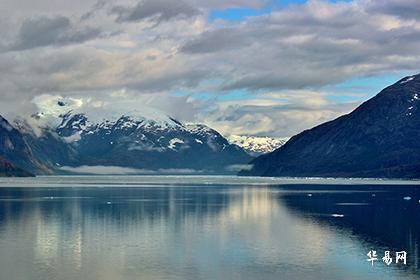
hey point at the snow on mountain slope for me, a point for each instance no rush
(255, 145)
(108, 136)
(55, 111)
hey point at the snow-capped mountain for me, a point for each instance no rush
(144, 140)
(256, 145)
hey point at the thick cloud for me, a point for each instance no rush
(400, 8)
(160, 10)
(169, 55)
(51, 31)
(216, 40)
(280, 114)
(310, 46)
(225, 4)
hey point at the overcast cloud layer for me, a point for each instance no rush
(260, 75)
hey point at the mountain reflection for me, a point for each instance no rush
(202, 232)
(383, 217)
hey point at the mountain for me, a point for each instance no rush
(46, 145)
(143, 140)
(255, 145)
(7, 169)
(15, 152)
(378, 139)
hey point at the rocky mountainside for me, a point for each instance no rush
(378, 139)
(7, 169)
(15, 152)
(255, 145)
(141, 140)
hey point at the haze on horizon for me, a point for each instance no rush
(246, 67)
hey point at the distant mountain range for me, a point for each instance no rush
(378, 139)
(65, 140)
(255, 145)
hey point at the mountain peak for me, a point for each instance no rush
(53, 110)
(5, 124)
(377, 139)
(257, 145)
(409, 79)
(403, 87)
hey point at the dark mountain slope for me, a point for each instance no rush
(381, 138)
(15, 149)
(7, 169)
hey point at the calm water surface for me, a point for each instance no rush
(206, 228)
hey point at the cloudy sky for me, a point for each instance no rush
(253, 67)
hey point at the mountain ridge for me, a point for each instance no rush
(377, 139)
(257, 145)
(16, 151)
(69, 138)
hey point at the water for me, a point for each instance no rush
(206, 228)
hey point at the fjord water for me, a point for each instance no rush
(193, 227)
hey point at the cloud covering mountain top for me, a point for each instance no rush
(178, 57)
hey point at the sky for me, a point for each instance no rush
(243, 67)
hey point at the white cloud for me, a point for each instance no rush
(281, 60)
(279, 114)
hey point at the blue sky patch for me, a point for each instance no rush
(365, 87)
(237, 14)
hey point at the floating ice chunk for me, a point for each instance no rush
(309, 194)
(337, 215)
(407, 198)
(108, 202)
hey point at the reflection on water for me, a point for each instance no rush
(207, 232)
(382, 217)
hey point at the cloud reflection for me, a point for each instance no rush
(187, 232)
